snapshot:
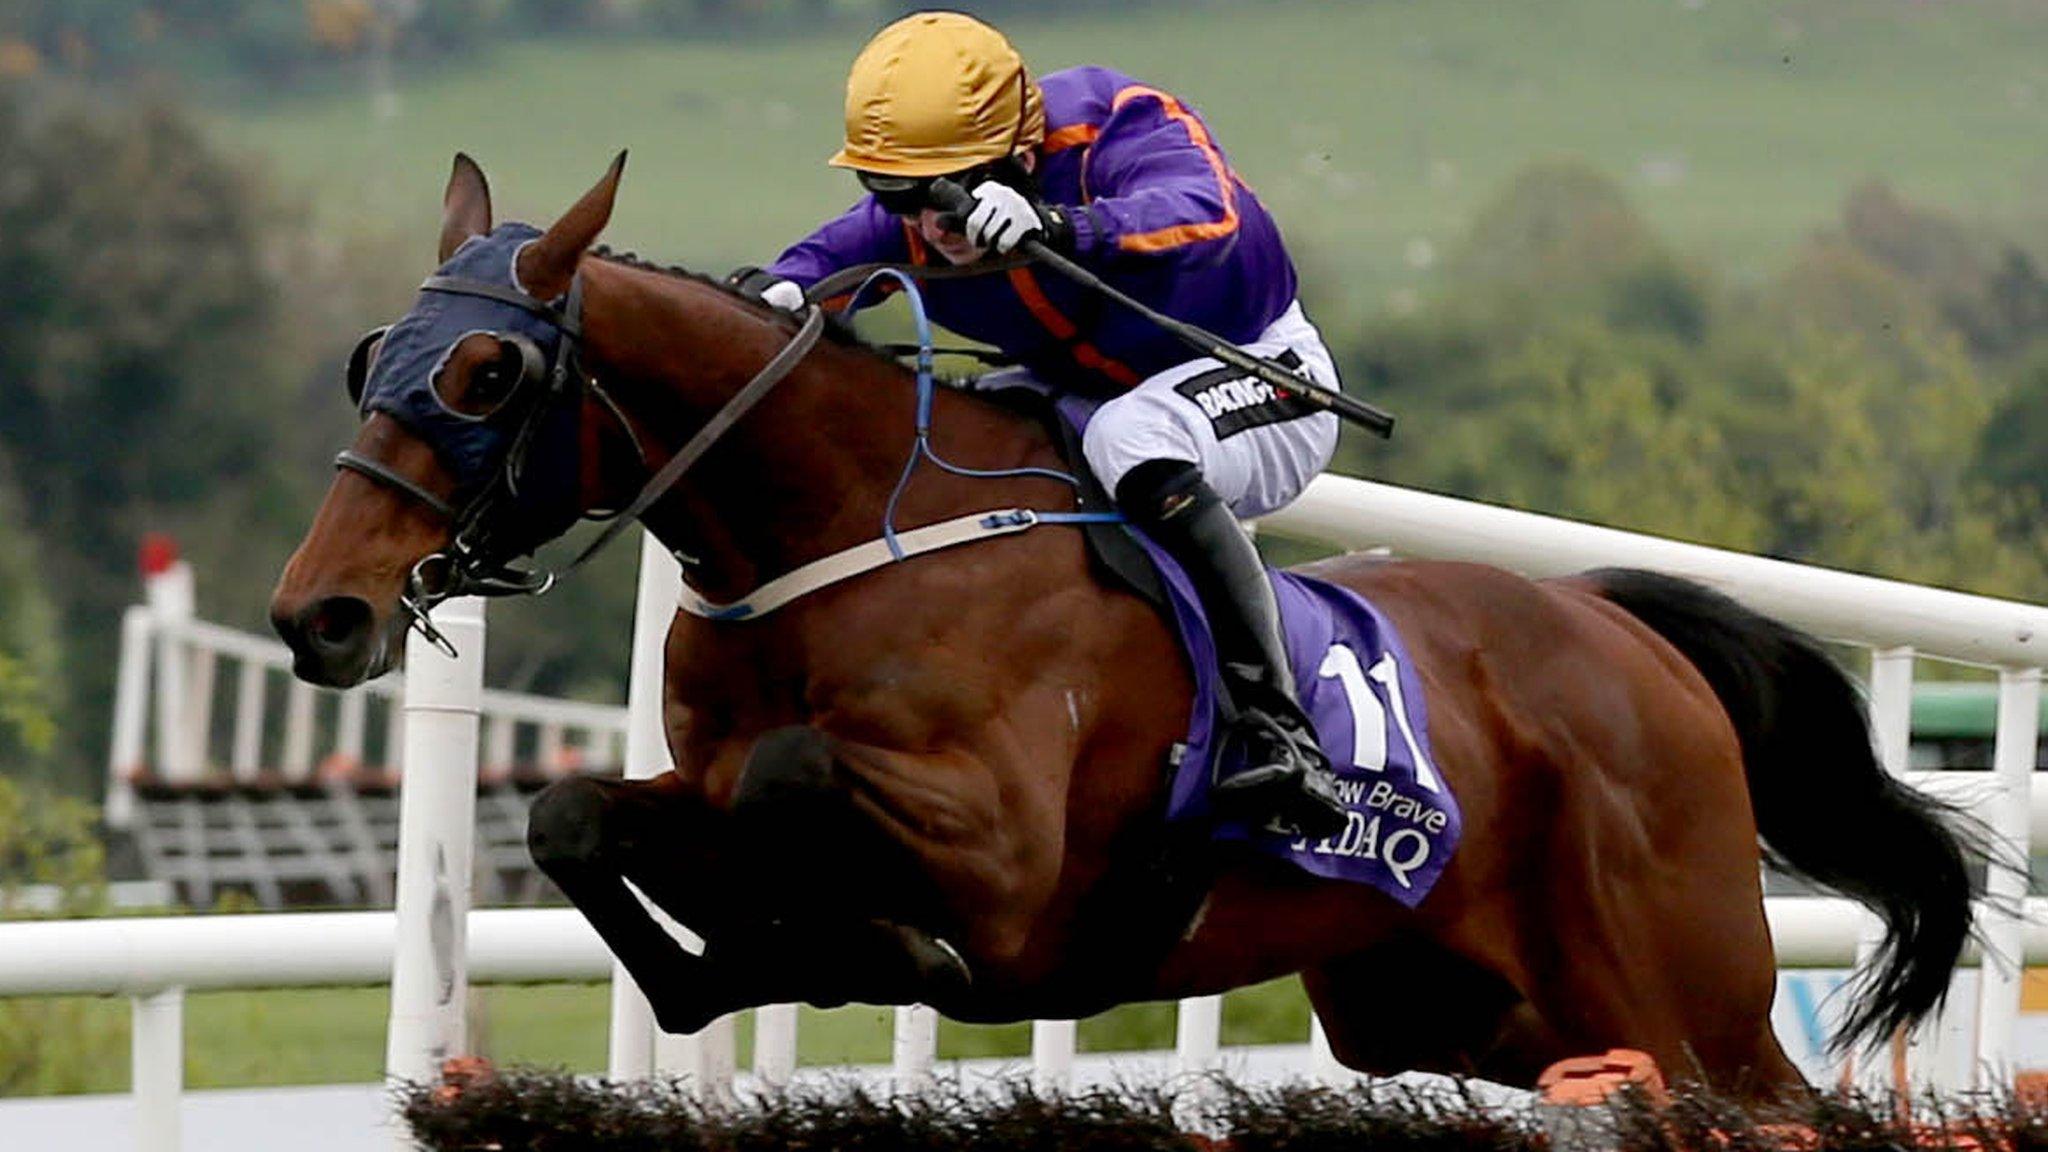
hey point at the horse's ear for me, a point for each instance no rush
(547, 265)
(465, 207)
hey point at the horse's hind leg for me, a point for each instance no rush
(1681, 969)
(1414, 1007)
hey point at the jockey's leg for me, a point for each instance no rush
(1284, 780)
(1185, 452)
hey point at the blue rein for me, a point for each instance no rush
(921, 447)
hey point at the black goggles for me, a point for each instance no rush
(910, 195)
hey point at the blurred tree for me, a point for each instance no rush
(1559, 225)
(142, 348)
(1986, 288)
(50, 865)
(168, 348)
(2014, 453)
(31, 665)
(1567, 362)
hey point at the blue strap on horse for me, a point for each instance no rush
(893, 546)
(921, 446)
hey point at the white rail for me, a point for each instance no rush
(164, 722)
(1864, 610)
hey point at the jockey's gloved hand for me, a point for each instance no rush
(765, 286)
(784, 294)
(1003, 217)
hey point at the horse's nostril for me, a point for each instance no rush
(337, 621)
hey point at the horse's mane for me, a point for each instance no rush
(840, 330)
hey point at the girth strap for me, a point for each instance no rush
(875, 554)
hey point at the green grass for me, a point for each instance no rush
(336, 1035)
(1366, 124)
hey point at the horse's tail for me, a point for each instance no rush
(1825, 807)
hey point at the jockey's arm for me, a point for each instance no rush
(1162, 188)
(863, 234)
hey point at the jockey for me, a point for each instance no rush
(1126, 180)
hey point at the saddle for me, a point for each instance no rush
(1357, 685)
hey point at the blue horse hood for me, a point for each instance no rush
(401, 385)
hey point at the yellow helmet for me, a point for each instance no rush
(937, 92)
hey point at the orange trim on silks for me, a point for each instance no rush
(1164, 238)
(918, 253)
(1073, 135)
(917, 256)
(1085, 354)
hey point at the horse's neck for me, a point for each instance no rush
(807, 472)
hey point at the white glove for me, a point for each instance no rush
(1002, 218)
(784, 294)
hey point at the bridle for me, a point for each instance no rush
(476, 561)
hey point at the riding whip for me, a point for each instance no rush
(951, 197)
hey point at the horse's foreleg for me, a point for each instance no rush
(588, 835)
(839, 907)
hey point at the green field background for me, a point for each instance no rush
(1369, 126)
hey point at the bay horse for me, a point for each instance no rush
(942, 780)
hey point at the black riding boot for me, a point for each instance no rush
(1285, 782)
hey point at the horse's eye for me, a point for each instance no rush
(491, 383)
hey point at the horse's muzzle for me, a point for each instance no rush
(334, 640)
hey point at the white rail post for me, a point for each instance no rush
(168, 590)
(351, 716)
(549, 754)
(436, 838)
(296, 762)
(1198, 1035)
(2013, 756)
(705, 1058)
(775, 1044)
(157, 1067)
(661, 584)
(394, 738)
(1197, 1054)
(1891, 725)
(1052, 1055)
(131, 716)
(197, 725)
(500, 734)
(245, 754)
(1323, 1066)
(915, 1046)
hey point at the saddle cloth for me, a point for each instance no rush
(1361, 693)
